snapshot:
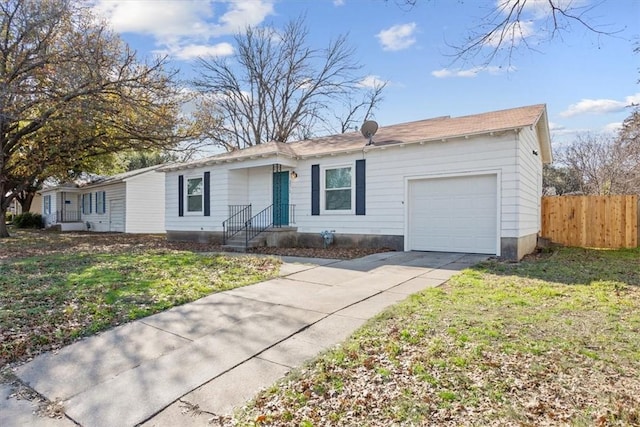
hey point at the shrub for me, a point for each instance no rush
(28, 220)
(8, 217)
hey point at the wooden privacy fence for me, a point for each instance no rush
(591, 221)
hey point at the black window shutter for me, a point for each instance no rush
(90, 202)
(180, 195)
(315, 189)
(207, 201)
(360, 187)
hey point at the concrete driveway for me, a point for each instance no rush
(218, 352)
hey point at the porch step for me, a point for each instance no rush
(237, 242)
(234, 248)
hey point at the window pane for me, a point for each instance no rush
(194, 203)
(194, 186)
(99, 200)
(338, 178)
(338, 200)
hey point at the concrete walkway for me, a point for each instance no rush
(216, 353)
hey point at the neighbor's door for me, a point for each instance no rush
(280, 198)
(116, 215)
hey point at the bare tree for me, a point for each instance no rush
(559, 180)
(71, 90)
(355, 113)
(605, 165)
(510, 24)
(276, 87)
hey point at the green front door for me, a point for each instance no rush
(280, 198)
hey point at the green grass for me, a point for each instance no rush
(553, 340)
(48, 301)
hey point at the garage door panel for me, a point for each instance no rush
(456, 214)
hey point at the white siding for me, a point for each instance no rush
(228, 187)
(64, 205)
(530, 183)
(144, 203)
(238, 187)
(48, 219)
(260, 183)
(196, 221)
(100, 222)
(387, 172)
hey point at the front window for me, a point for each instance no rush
(47, 205)
(194, 195)
(100, 199)
(337, 188)
(86, 204)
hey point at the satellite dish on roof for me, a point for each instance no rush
(368, 129)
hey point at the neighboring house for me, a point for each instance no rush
(130, 202)
(463, 184)
(61, 206)
(16, 208)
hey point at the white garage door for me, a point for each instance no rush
(116, 215)
(454, 214)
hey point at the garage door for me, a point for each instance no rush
(116, 215)
(454, 214)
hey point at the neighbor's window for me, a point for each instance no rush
(337, 189)
(100, 199)
(47, 205)
(86, 204)
(194, 195)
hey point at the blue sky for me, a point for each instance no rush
(586, 80)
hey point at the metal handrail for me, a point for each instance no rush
(264, 220)
(64, 216)
(237, 221)
(273, 216)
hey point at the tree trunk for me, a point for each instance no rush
(25, 199)
(3, 224)
(4, 204)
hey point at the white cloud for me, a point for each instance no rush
(599, 106)
(540, 8)
(338, 2)
(371, 81)
(555, 127)
(513, 34)
(166, 19)
(183, 24)
(398, 37)
(532, 16)
(193, 51)
(612, 127)
(471, 72)
(242, 13)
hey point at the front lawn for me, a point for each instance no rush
(553, 340)
(49, 300)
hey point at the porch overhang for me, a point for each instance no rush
(258, 161)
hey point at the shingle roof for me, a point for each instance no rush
(439, 128)
(99, 180)
(121, 176)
